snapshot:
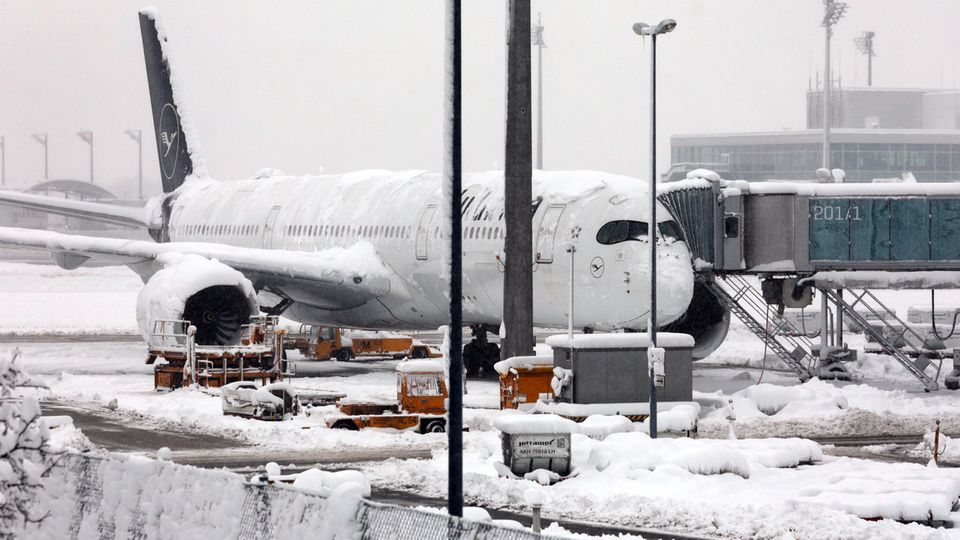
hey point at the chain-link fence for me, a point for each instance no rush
(107, 498)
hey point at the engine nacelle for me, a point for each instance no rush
(705, 319)
(215, 298)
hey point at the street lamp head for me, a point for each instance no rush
(641, 29)
(664, 26)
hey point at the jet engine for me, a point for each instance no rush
(705, 319)
(215, 298)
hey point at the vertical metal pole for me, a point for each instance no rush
(652, 231)
(539, 37)
(535, 525)
(828, 82)
(455, 413)
(839, 319)
(823, 324)
(518, 271)
(46, 158)
(870, 65)
(3, 161)
(573, 251)
(91, 157)
(140, 164)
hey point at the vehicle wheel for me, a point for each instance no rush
(419, 352)
(434, 426)
(345, 424)
(342, 355)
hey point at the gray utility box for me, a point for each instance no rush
(612, 368)
(535, 441)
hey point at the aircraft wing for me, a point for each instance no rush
(335, 278)
(111, 213)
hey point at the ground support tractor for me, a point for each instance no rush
(183, 362)
(421, 402)
(333, 343)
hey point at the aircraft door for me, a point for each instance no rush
(423, 231)
(546, 233)
(267, 237)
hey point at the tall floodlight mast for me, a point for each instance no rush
(42, 139)
(864, 44)
(87, 137)
(832, 13)
(537, 38)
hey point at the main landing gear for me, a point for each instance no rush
(480, 355)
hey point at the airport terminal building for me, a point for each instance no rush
(876, 133)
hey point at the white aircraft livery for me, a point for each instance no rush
(364, 249)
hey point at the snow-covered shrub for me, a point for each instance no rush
(25, 454)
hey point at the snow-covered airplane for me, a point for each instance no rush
(364, 249)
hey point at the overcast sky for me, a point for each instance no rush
(347, 84)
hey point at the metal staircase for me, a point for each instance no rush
(889, 331)
(743, 300)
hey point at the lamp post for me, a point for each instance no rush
(644, 29)
(42, 139)
(137, 136)
(3, 160)
(538, 41)
(864, 44)
(87, 137)
(832, 11)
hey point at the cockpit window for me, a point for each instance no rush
(670, 229)
(615, 232)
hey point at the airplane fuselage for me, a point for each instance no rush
(400, 214)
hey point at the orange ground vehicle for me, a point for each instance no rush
(524, 380)
(421, 402)
(327, 342)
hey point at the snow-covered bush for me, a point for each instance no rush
(25, 454)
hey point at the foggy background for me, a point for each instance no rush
(306, 86)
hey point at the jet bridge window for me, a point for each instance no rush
(615, 232)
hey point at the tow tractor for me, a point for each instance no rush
(328, 342)
(421, 402)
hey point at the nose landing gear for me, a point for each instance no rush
(480, 355)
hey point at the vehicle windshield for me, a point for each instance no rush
(623, 230)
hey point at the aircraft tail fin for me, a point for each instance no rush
(176, 144)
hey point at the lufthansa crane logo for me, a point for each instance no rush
(596, 267)
(169, 139)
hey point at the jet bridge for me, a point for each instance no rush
(833, 237)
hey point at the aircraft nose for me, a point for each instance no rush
(674, 284)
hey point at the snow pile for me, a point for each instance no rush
(144, 498)
(535, 423)
(904, 493)
(599, 426)
(948, 449)
(682, 418)
(821, 409)
(332, 484)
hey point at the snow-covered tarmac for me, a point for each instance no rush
(614, 484)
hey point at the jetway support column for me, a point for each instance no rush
(824, 324)
(839, 329)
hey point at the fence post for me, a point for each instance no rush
(192, 352)
(936, 444)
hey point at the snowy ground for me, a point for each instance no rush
(809, 501)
